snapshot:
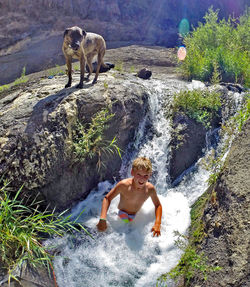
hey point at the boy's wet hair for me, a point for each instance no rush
(142, 163)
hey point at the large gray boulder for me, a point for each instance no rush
(36, 122)
(186, 146)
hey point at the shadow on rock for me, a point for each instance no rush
(45, 107)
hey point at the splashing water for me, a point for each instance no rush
(127, 254)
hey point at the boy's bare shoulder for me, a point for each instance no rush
(150, 187)
(124, 183)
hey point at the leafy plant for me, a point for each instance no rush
(216, 76)
(89, 141)
(23, 228)
(200, 105)
(190, 263)
(221, 43)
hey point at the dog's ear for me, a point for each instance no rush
(66, 32)
(84, 33)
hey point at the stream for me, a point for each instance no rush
(128, 254)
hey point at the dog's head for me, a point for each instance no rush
(73, 37)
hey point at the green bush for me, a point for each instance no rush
(200, 105)
(23, 228)
(224, 44)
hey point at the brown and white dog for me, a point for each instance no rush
(78, 44)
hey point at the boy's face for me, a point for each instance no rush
(140, 177)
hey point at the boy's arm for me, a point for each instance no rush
(156, 229)
(102, 224)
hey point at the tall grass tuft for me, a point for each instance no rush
(22, 79)
(90, 142)
(23, 228)
(219, 50)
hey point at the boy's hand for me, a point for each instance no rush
(156, 229)
(102, 225)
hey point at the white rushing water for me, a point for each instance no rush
(127, 254)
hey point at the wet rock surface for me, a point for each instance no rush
(28, 277)
(187, 144)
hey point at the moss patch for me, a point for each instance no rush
(196, 231)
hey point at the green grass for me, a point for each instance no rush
(197, 227)
(220, 47)
(200, 105)
(4, 88)
(119, 66)
(22, 79)
(243, 114)
(88, 141)
(18, 81)
(105, 84)
(132, 69)
(23, 228)
(57, 70)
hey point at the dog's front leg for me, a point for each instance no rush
(82, 67)
(69, 67)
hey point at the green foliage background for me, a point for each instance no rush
(200, 105)
(220, 47)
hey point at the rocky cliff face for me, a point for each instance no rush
(31, 31)
(225, 219)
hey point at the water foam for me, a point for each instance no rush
(126, 254)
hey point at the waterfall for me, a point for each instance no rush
(127, 254)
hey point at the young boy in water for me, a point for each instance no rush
(133, 193)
